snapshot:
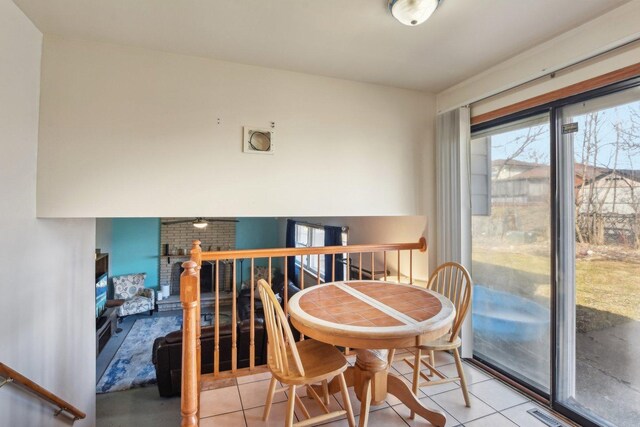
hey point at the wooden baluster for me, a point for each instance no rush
(398, 265)
(301, 272)
(318, 281)
(252, 329)
(373, 268)
(196, 256)
(286, 286)
(216, 340)
(385, 265)
(348, 268)
(333, 269)
(190, 374)
(302, 282)
(360, 265)
(269, 272)
(410, 266)
(234, 322)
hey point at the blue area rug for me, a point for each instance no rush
(132, 366)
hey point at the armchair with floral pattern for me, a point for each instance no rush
(137, 298)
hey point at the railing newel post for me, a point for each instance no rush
(196, 256)
(189, 298)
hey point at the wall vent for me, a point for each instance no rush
(545, 418)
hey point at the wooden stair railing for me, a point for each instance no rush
(190, 299)
(13, 377)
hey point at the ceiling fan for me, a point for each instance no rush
(198, 222)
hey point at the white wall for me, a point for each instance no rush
(617, 27)
(46, 266)
(133, 132)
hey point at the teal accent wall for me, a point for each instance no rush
(135, 247)
(256, 233)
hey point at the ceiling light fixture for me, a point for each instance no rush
(200, 223)
(412, 12)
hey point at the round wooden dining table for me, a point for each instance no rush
(374, 318)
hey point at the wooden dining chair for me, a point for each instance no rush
(300, 364)
(454, 282)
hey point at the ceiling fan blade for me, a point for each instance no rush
(180, 221)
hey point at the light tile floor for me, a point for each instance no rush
(493, 404)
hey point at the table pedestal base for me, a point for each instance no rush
(372, 381)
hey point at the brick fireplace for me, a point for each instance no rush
(179, 237)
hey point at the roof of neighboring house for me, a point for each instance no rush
(514, 162)
(587, 171)
(540, 172)
(633, 174)
(582, 172)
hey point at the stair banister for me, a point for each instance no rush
(14, 377)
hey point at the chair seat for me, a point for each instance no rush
(441, 344)
(320, 362)
(137, 304)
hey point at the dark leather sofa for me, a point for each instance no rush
(167, 350)
(167, 353)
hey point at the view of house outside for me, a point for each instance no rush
(512, 257)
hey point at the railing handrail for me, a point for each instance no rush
(421, 245)
(15, 377)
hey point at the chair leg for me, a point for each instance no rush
(365, 402)
(346, 402)
(325, 392)
(463, 381)
(432, 361)
(290, 406)
(416, 377)
(267, 405)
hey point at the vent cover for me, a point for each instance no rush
(545, 418)
(258, 140)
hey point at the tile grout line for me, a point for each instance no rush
(494, 413)
(502, 384)
(400, 416)
(243, 409)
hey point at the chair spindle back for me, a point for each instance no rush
(454, 282)
(280, 339)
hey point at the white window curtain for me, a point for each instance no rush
(453, 176)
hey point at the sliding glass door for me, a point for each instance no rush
(511, 252)
(598, 291)
(556, 252)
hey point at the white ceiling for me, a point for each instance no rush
(350, 39)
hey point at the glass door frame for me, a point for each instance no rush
(558, 242)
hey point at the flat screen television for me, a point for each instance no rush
(101, 294)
